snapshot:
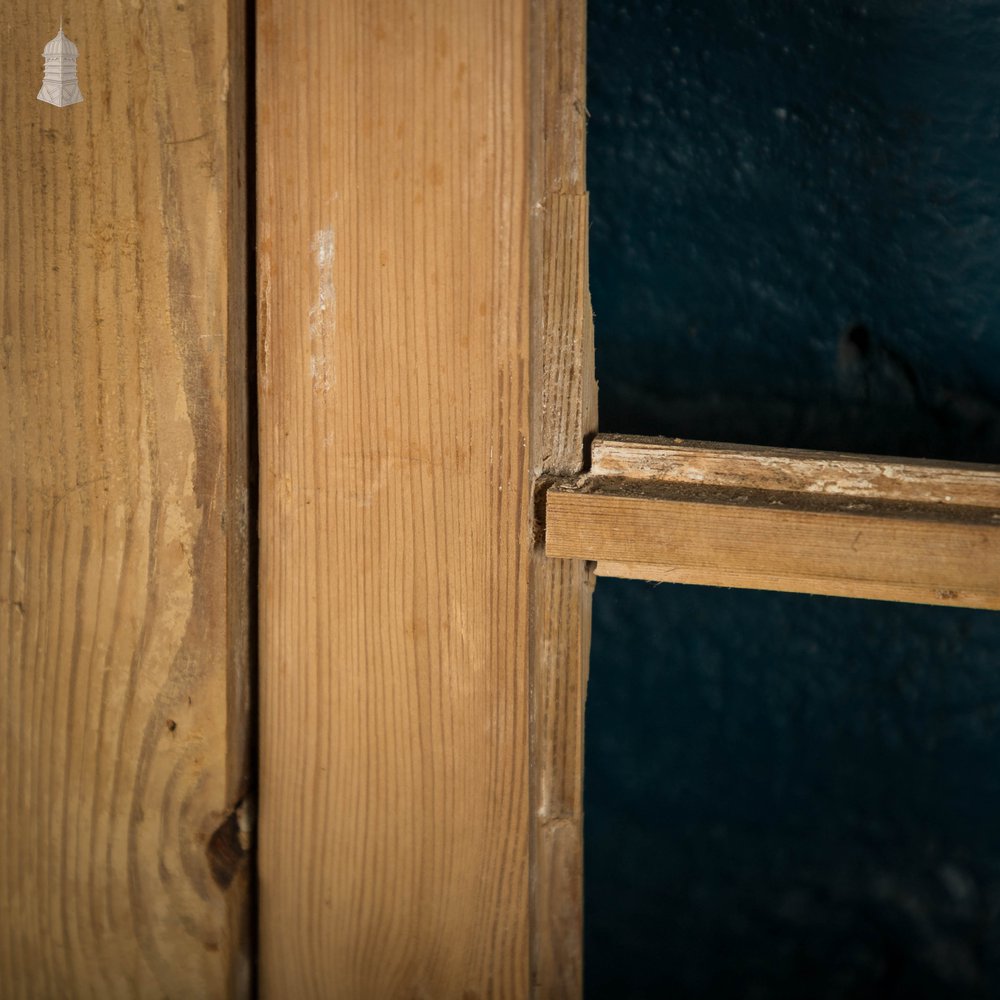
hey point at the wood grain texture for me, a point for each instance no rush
(779, 540)
(123, 584)
(564, 415)
(673, 460)
(396, 513)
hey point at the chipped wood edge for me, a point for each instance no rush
(674, 460)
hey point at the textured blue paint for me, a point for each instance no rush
(791, 797)
(766, 176)
(795, 241)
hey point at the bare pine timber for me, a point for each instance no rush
(424, 356)
(123, 581)
(764, 518)
(564, 415)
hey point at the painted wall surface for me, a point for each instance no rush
(795, 241)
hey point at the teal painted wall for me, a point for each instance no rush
(795, 241)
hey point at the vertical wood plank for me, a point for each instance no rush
(564, 416)
(396, 509)
(402, 601)
(123, 588)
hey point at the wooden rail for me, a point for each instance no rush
(771, 519)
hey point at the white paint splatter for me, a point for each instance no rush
(319, 370)
(323, 312)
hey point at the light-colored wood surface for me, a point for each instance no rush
(396, 506)
(852, 526)
(564, 415)
(790, 582)
(674, 460)
(123, 505)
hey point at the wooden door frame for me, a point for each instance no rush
(330, 80)
(434, 503)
